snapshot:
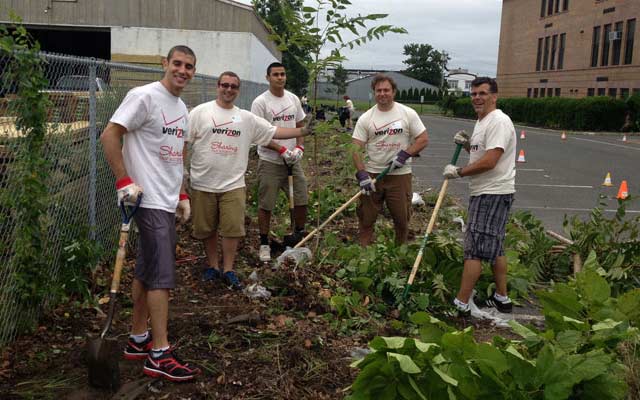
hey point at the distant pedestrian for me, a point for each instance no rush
(491, 166)
(350, 109)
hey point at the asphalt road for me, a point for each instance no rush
(558, 178)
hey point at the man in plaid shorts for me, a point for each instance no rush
(492, 149)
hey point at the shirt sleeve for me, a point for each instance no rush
(300, 115)
(263, 131)
(360, 131)
(133, 111)
(498, 134)
(416, 127)
(257, 107)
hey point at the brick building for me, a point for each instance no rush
(569, 48)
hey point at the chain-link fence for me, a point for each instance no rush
(84, 93)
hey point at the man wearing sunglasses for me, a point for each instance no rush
(281, 108)
(491, 168)
(220, 137)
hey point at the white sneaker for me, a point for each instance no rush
(265, 253)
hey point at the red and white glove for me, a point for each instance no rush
(128, 191)
(287, 155)
(183, 212)
(298, 152)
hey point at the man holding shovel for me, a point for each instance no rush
(151, 122)
(390, 134)
(280, 108)
(220, 134)
(492, 149)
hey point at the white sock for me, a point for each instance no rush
(500, 297)
(140, 338)
(461, 305)
(158, 352)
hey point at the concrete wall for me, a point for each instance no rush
(522, 26)
(361, 88)
(207, 15)
(240, 52)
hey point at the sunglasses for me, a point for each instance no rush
(229, 86)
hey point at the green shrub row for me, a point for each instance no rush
(586, 114)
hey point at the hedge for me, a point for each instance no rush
(598, 113)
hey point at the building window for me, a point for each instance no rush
(613, 92)
(558, 6)
(628, 46)
(636, 90)
(545, 59)
(539, 56)
(543, 7)
(595, 47)
(591, 92)
(535, 92)
(565, 5)
(601, 91)
(624, 92)
(554, 46)
(549, 92)
(550, 7)
(529, 92)
(542, 92)
(617, 44)
(558, 91)
(605, 45)
(561, 51)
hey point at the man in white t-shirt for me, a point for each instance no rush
(281, 108)
(390, 134)
(350, 109)
(152, 124)
(492, 149)
(220, 135)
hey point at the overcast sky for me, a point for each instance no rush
(468, 30)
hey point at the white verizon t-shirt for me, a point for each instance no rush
(220, 140)
(285, 112)
(494, 131)
(156, 123)
(385, 133)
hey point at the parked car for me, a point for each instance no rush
(78, 83)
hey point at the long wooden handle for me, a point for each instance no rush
(291, 205)
(120, 255)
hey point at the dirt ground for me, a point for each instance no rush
(288, 347)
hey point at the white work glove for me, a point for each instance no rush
(298, 152)
(462, 138)
(183, 212)
(451, 172)
(128, 191)
(287, 155)
(399, 160)
(367, 186)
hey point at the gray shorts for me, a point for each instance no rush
(155, 264)
(486, 226)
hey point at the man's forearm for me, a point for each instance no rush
(287, 133)
(112, 149)
(422, 141)
(300, 140)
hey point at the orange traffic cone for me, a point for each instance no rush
(563, 136)
(623, 192)
(624, 138)
(607, 180)
(522, 135)
(521, 156)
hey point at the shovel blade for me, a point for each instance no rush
(292, 240)
(103, 358)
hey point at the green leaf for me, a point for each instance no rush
(629, 305)
(606, 324)
(444, 376)
(424, 347)
(406, 363)
(382, 343)
(593, 288)
(592, 261)
(309, 10)
(416, 388)
(561, 299)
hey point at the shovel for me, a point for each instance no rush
(432, 222)
(298, 252)
(104, 354)
(294, 238)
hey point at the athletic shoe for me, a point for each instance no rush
(502, 306)
(138, 351)
(211, 274)
(458, 311)
(265, 253)
(170, 367)
(232, 280)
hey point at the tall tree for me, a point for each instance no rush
(339, 80)
(273, 13)
(425, 63)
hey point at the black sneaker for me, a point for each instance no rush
(170, 367)
(138, 351)
(502, 306)
(211, 275)
(232, 280)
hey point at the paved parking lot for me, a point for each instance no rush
(559, 177)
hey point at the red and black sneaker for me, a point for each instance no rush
(170, 367)
(138, 351)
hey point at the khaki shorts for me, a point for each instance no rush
(222, 212)
(272, 177)
(395, 191)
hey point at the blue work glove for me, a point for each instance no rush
(399, 160)
(366, 183)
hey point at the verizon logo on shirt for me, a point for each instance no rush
(216, 129)
(172, 130)
(279, 116)
(390, 129)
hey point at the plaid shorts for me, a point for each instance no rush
(155, 263)
(486, 226)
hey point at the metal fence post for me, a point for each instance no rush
(93, 146)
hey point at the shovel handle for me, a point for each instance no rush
(339, 210)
